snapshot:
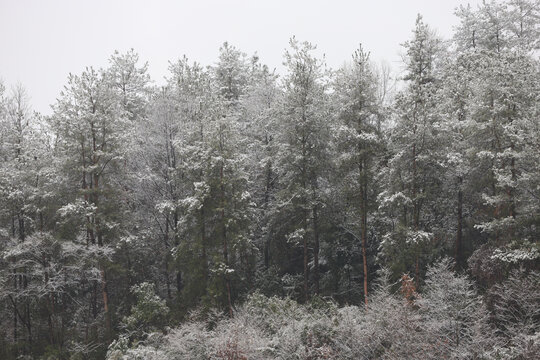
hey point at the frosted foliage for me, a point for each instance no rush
(454, 313)
(515, 303)
(235, 211)
(447, 319)
(526, 252)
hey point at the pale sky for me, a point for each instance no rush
(41, 41)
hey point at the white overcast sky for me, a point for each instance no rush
(41, 41)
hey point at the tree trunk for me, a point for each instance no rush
(50, 312)
(416, 215)
(363, 226)
(179, 284)
(265, 207)
(316, 249)
(416, 210)
(15, 307)
(105, 296)
(306, 269)
(94, 299)
(305, 215)
(167, 258)
(459, 234)
(27, 313)
(224, 239)
(203, 244)
(364, 256)
(22, 232)
(417, 274)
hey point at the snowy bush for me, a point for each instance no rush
(149, 311)
(447, 319)
(516, 313)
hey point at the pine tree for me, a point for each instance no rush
(91, 124)
(503, 91)
(413, 174)
(303, 154)
(358, 143)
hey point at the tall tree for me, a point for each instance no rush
(91, 124)
(358, 143)
(413, 178)
(303, 155)
(501, 107)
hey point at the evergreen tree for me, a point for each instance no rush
(413, 175)
(358, 144)
(303, 156)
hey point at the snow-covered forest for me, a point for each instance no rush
(236, 213)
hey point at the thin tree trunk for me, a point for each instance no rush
(316, 249)
(94, 299)
(224, 239)
(363, 225)
(513, 171)
(22, 232)
(305, 215)
(28, 325)
(459, 234)
(416, 210)
(15, 307)
(50, 324)
(306, 269)
(417, 273)
(179, 284)
(105, 296)
(265, 206)
(166, 262)
(104, 290)
(203, 244)
(27, 316)
(50, 311)
(364, 256)
(416, 215)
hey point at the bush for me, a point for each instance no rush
(149, 312)
(447, 320)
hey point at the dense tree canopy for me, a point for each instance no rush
(235, 213)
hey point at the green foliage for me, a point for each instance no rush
(242, 207)
(149, 312)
